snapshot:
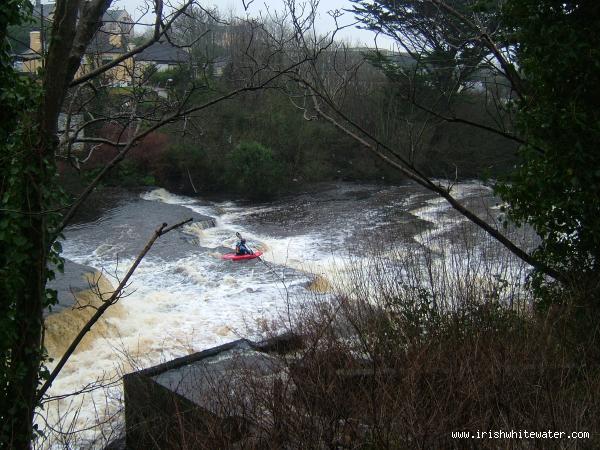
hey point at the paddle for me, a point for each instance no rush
(239, 236)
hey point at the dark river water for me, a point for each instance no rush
(185, 298)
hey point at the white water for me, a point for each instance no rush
(179, 306)
(183, 304)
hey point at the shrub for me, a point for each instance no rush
(141, 165)
(410, 348)
(191, 167)
(254, 171)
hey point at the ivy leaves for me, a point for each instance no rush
(557, 191)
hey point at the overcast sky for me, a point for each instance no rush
(324, 21)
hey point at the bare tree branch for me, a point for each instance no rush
(116, 295)
(160, 30)
(168, 119)
(403, 167)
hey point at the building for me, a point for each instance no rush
(111, 42)
(162, 55)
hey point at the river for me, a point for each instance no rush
(184, 298)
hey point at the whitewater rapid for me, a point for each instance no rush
(183, 298)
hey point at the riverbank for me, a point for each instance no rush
(80, 291)
(183, 298)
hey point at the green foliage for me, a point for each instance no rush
(314, 150)
(442, 45)
(190, 160)
(17, 264)
(254, 171)
(556, 187)
(18, 32)
(176, 80)
(19, 38)
(130, 175)
(27, 185)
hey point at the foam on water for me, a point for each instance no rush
(451, 253)
(185, 303)
(164, 196)
(172, 307)
(437, 212)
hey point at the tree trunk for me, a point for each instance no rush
(26, 354)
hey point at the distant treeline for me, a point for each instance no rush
(261, 144)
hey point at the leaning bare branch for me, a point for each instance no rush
(404, 167)
(114, 298)
(100, 383)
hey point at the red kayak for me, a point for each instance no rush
(234, 257)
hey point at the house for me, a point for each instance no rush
(103, 49)
(31, 60)
(163, 56)
(118, 22)
(110, 42)
(114, 21)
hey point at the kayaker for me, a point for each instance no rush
(240, 246)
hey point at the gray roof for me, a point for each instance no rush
(99, 44)
(114, 15)
(163, 53)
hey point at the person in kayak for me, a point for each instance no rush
(240, 246)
